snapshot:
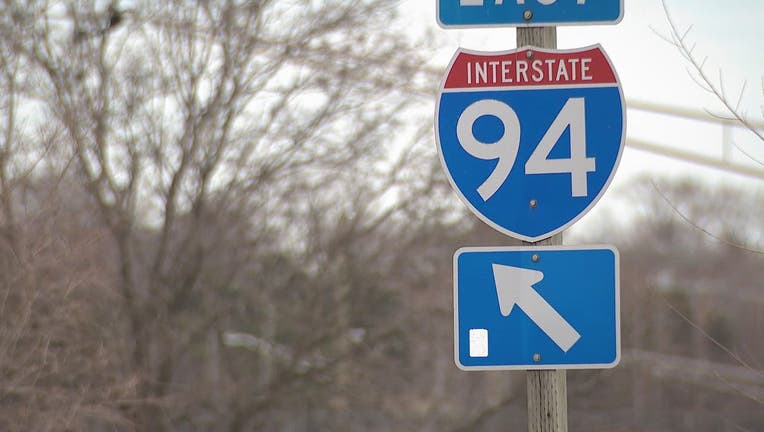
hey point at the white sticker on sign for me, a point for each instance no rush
(478, 343)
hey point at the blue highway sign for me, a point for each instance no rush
(536, 308)
(513, 13)
(530, 139)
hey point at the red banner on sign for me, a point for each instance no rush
(530, 67)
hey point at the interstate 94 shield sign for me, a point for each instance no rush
(530, 138)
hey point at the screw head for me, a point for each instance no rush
(536, 358)
(527, 15)
(533, 203)
(529, 54)
(535, 258)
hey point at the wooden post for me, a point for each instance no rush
(547, 389)
(547, 401)
(542, 37)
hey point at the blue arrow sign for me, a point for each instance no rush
(530, 138)
(511, 13)
(536, 308)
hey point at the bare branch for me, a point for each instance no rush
(706, 335)
(698, 227)
(707, 83)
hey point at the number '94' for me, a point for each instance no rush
(572, 116)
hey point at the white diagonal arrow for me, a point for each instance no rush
(514, 286)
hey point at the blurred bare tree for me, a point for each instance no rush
(240, 162)
(690, 307)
